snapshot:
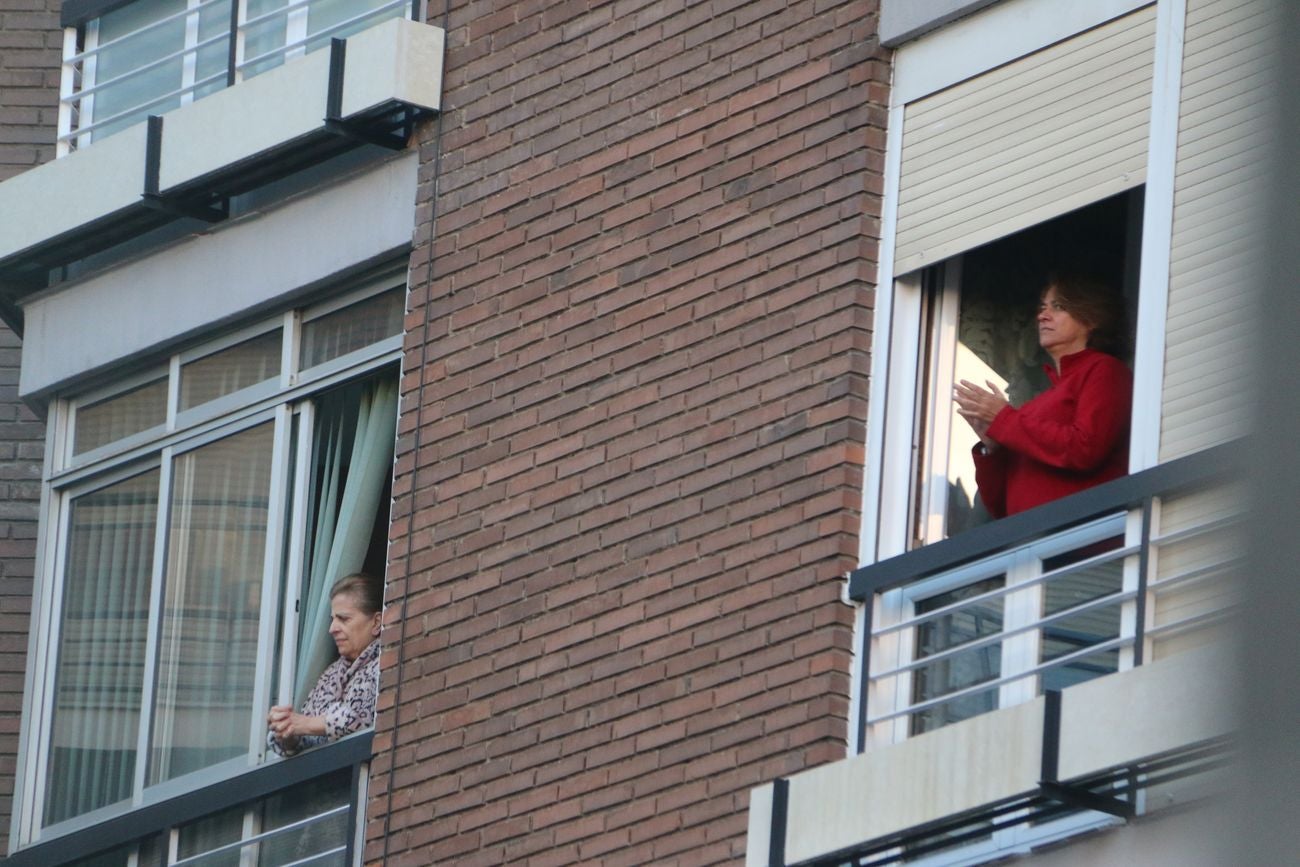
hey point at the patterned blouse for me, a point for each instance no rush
(344, 695)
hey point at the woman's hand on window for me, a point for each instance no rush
(289, 726)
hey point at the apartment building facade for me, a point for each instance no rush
(615, 336)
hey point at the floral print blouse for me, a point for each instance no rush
(344, 695)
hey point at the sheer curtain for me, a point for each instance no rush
(101, 650)
(207, 655)
(353, 446)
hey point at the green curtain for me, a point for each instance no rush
(353, 445)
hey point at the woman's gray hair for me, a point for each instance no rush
(366, 590)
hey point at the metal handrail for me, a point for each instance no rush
(227, 35)
(997, 541)
(1002, 635)
(77, 58)
(909, 623)
(322, 34)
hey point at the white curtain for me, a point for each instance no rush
(354, 455)
(101, 649)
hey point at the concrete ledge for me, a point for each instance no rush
(1115, 721)
(230, 272)
(395, 64)
(990, 758)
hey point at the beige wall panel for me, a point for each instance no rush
(922, 779)
(1031, 140)
(1223, 142)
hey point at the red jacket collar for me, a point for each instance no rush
(1068, 362)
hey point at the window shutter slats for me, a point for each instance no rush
(1037, 138)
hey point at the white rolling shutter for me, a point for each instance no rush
(1039, 137)
(1223, 139)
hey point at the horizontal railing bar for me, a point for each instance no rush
(153, 64)
(91, 52)
(91, 127)
(322, 34)
(1115, 554)
(266, 835)
(1198, 529)
(1191, 576)
(312, 859)
(1117, 495)
(999, 637)
(1202, 619)
(257, 782)
(1113, 644)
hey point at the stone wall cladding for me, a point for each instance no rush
(31, 46)
(631, 445)
(30, 53)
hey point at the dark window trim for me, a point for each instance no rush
(249, 786)
(77, 12)
(1124, 493)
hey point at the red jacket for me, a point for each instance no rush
(1070, 437)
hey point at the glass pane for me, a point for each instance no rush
(207, 660)
(101, 647)
(120, 416)
(321, 837)
(1087, 628)
(328, 19)
(212, 832)
(961, 670)
(142, 77)
(213, 55)
(229, 370)
(354, 327)
(264, 35)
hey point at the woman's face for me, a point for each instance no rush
(1059, 333)
(351, 629)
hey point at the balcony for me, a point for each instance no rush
(304, 810)
(1031, 678)
(367, 88)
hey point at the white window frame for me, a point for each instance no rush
(277, 401)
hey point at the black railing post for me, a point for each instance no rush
(231, 49)
(1144, 566)
(780, 814)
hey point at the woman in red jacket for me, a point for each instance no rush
(1075, 434)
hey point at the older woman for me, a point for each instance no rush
(343, 700)
(1075, 434)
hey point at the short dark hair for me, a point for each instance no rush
(367, 591)
(1096, 305)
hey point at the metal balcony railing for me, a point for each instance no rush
(116, 76)
(1069, 591)
(304, 810)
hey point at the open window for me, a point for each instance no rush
(977, 324)
(202, 513)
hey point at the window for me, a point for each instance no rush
(203, 511)
(151, 56)
(978, 324)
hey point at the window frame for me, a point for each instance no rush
(285, 402)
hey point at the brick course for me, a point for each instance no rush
(30, 48)
(630, 451)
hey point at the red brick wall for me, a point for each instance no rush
(630, 453)
(30, 49)
(31, 45)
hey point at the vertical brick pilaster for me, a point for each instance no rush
(31, 45)
(633, 427)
